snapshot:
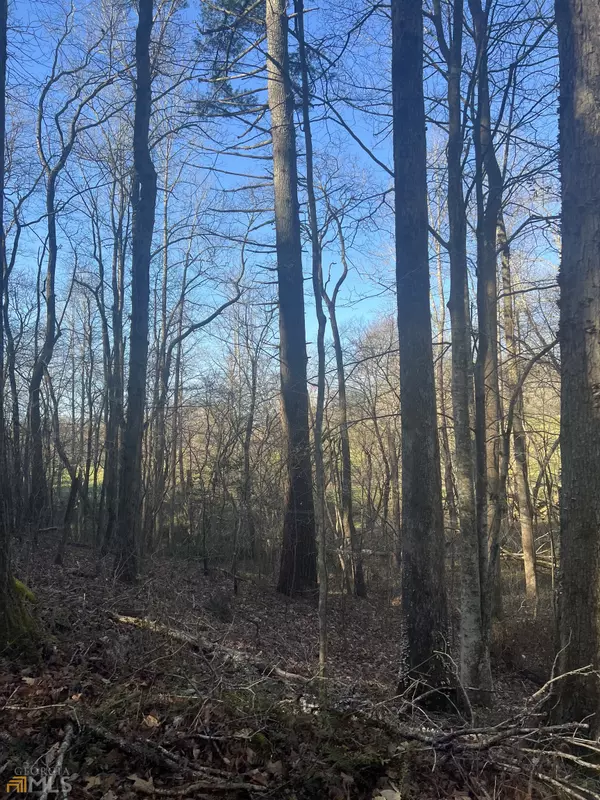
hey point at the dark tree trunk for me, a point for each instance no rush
(67, 520)
(115, 372)
(39, 500)
(579, 48)
(143, 202)
(423, 582)
(298, 571)
(10, 627)
(487, 392)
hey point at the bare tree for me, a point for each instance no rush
(143, 202)
(69, 120)
(423, 549)
(347, 505)
(298, 571)
(579, 49)
(474, 659)
(13, 622)
(513, 375)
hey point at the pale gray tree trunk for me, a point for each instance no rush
(579, 48)
(513, 374)
(474, 646)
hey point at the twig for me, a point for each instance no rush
(587, 670)
(564, 787)
(203, 786)
(34, 708)
(566, 756)
(59, 762)
(143, 750)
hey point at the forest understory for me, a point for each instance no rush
(177, 687)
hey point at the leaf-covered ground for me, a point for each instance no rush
(176, 687)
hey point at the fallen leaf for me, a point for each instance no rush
(92, 781)
(140, 785)
(150, 721)
(258, 777)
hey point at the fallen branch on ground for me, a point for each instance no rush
(202, 786)
(163, 759)
(208, 647)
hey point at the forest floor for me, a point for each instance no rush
(175, 687)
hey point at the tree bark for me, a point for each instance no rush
(423, 580)
(39, 501)
(579, 49)
(474, 647)
(13, 622)
(298, 571)
(317, 283)
(114, 369)
(347, 510)
(518, 429)
(487, 391)
(143, 203)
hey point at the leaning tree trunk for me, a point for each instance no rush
(298, 571)
(423, 583)
(579, 50)
(143, 202)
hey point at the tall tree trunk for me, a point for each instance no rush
(247, 526)
(160, 457)
(12, 621)
(474, 645)
(115, 373)
(579, 49)
(347, 510)
(513, 374)
(423, 550)
(487, 391)
(317, 283)
(448, 471)
(39, 501)
(298, 571)
(395, 487)
(177, 445)
(143, 203)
